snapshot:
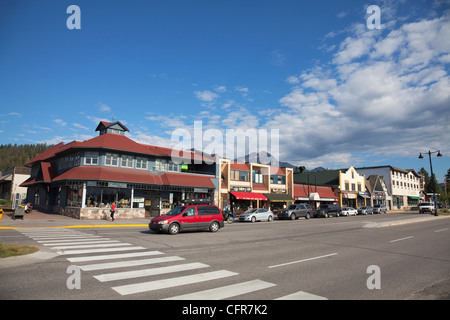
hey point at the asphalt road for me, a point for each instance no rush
(303, 259)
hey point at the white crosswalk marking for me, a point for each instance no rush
(172, 282)
(115, 256)
(80, 242)
(301, 296)
(128, 263)
(84, 251)
(79, 248)
(149, 272)
(226, 292)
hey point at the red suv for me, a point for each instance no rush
(194, 217)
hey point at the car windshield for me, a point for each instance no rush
(426, 204)
(292, 206)
(176, 211)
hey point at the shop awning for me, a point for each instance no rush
(248, 196)
(415, 198)
(279, 197)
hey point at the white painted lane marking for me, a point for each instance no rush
(149, 272)
(440, 230)
(172, 282)
(304, 260)
(93, 246)
(66, 252)
(114, 256)
(402, 239)
(128, 263)
(99, 241)
(226, 291)
(301, 295)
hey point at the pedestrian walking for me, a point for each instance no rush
(113, 210)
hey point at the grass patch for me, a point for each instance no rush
(444, 212)
(9, 250)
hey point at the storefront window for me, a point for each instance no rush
(104, 197)
(74, 196)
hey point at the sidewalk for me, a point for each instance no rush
(40, 219)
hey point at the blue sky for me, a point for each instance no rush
(340, 94)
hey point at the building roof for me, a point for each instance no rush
(99, 173)
(114, 142)
(325, 192)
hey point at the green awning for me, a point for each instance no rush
(278, 197)
(415, 198)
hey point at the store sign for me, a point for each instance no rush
(201, 190)
(117, 185)
(240, 189)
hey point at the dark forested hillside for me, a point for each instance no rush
(18, 155)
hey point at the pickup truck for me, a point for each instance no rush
(425, 207)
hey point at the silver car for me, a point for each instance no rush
(254, 215)
(365, 210)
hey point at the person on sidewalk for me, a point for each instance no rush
(113, 210)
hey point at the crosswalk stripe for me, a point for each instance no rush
(301, 295)
(71, 240)
(64, 237)
(149, 272)
(172, 282)
(114, 256)
(99, 241)
(93, 246)
(128, 263)
(226, 291)
(84, 251)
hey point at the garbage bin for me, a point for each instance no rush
(19, 212)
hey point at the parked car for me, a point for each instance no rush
(349, 211)
(380, 208)
(254, 215)
(365, 210)
(193, 217)
(295, 211)
(326, 210)
(426, 207)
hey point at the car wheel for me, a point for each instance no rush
(174, 228)
(270, 218)
(308, 216)
(253, 219)
(292, 216)
(214, 226)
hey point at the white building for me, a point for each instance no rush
(403, 184)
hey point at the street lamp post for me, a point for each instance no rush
(431, 167)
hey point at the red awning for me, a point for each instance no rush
(248, 196)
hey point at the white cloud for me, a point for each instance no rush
(383, 93)
(104, 108)
(206, 95)
(60, 122)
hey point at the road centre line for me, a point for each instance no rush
(304, 260)
(402, 239)
(441, 230)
